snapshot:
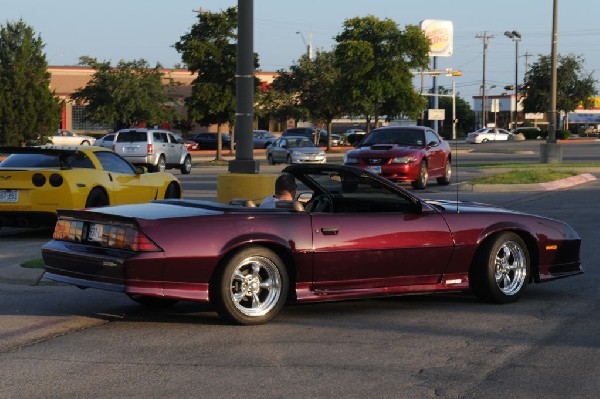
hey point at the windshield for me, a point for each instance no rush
(300, 142)
(404, 137)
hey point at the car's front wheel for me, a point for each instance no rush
(270, 160)
(252, 286)
(501, 269)
(421, 181)
(85, 142)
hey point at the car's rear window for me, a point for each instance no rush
(70, 160)
(132, 137)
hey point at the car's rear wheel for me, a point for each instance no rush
(186, 166)
(85, 142)
(484, 141)
(152, 301)
(251, 288)
(501, 269)
(270, 160)
(445, 180)
(421, 182)
(96, 198)
(161, 164)
(173, 191)
(288, 160)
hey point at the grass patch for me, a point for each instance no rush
(33, 264)
(525, 177)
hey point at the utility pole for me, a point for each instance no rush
(486, 41)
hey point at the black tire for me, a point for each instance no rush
(251, 288)
(270, 160)
(484, 141)
(173, 191)
(186, 166)
(96, 198)
(153, 302)
(85, 142)
(501, 269)
(421, 181)
(445, 180)
(160, 165)
(288, 160)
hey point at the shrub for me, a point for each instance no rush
(562, 134)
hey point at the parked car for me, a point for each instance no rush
(36, 181)
(488, 134)
(336, 139)
(263, 138)
(106, 141)
(308, 132)
(208, 141)
(155, 149)
(65, 137)
(404, 154)
(190, 144)
(359, 236)
(353, 136)
(295, 149)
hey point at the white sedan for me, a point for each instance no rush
(65, 137)
(488, 134)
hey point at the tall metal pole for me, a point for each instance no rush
(435, 100)
(517, 83)
(244, 115)
(551, 151)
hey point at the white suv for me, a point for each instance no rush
(155, 149)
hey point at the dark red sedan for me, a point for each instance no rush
(404, 154)
(359, 235)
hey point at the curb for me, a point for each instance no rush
(549, 186)
(15, 274)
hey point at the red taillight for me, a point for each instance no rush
(150, 149)
(104, 235)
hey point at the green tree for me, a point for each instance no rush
(28, 108)
(375, 58)
(315, 85)
(130, 94)
(209, 50)
(574, 86)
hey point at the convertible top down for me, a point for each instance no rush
(359, 235)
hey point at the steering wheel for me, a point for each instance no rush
(319, 203)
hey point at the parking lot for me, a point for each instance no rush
(59, 341)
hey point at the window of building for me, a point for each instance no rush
(80, 122)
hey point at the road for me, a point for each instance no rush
(65, 342)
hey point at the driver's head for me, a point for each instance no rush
(286, 183)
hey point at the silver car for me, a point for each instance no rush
(295, 149)
(155, 149)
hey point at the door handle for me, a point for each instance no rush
(329, 231)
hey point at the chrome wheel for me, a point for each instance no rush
(500, 272)
(511, 268)
(252, 287)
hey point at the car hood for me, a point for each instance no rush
(380, 150)
(467, 207)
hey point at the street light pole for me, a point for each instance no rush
(516, 37)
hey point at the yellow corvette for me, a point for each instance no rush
(36, 181)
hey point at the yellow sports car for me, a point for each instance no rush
(36, 181)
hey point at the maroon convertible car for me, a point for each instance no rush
(358, 236)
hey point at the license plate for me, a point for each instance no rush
(131, 149)
(96, 231)
(374, 169)
(9, 195)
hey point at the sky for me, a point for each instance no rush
(112, 30)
